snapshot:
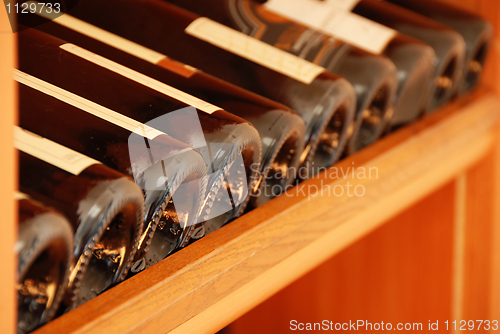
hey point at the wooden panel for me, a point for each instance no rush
(212, 282)
(400, 273)
(7, 172)
(478, 240)
(459, 235)
(490, 9)
(495, 234)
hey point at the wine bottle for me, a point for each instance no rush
(325, 101)
(475, 30)
(282, 131)
(111, 139)
(224, 140)
(447, 43)
(373, 76)
(44, 249)
(414, 59)
(104, 207)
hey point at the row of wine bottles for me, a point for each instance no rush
(147, 124)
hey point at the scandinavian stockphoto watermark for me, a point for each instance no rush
(358, 325)
(158, 161)
(156, 158)
(365, 325)
(335, 181)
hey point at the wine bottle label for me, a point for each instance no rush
(140, 78)
(117, 42)
(51, 152)
(312, 45)
(87, 105)
(343, 4)
(254, 50)
(325, 16)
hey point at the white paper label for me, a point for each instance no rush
(343, 4)
(115, 41)
(140, 78)
(86, 105)
(99, 34)
(337, 22)
(254, 50)
(51, 152)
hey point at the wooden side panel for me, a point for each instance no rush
(478, 240)
(7, 173)
(495, 235)
(401, 273)
(490, 9)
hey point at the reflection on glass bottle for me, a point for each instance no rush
(44, 248)
(104, 207)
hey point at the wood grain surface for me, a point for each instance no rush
(478, 248)
(400, 273)
(495, 235)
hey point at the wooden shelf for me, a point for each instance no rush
(214, 281)
(207, 285)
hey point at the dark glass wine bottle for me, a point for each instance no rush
(224, 140)
(446, 42)
(373, 76)
(281, 130)
(414, 59)
(325, 101)
(475, 30)
(44, 249)
(104, 207)
(163, 168)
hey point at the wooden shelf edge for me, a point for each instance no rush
(213, 281)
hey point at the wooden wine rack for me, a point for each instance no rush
(214, 281)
